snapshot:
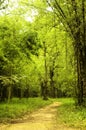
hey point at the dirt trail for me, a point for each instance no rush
(43, 119)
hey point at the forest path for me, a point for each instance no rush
(42, 119)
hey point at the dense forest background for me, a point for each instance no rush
(42, 49)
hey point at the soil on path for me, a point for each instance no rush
(43, 119)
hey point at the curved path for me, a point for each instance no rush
(43, 119)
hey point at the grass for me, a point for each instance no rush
(70, 115)
(17, 108)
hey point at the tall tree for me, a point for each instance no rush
(72, 15)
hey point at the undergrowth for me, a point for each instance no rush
(71, 115)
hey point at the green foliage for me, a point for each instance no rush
(6, 81)
(22, 52)
(17, 43)
(3, 4)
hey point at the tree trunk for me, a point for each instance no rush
(45, 93)
(81, 73)
(9, 93)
